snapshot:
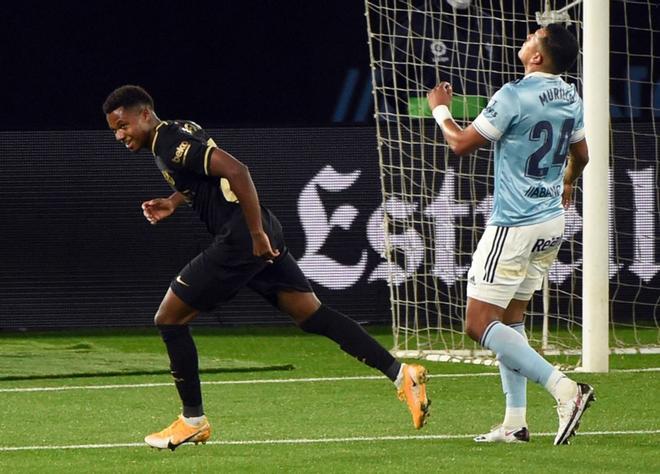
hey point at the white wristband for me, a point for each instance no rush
(441, 113)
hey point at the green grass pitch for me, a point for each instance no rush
(327, 413)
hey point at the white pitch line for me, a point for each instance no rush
(261, 381)
(253, 442)
(647, 369)
(224, 382)
(212, 382)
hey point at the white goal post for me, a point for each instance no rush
(595, 283)
(604, 289)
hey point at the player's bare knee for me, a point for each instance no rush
(479, 315)
(182, 316)
(476, 323)
(163, 318)
(471, 324)
(474, 329)
(299, 305)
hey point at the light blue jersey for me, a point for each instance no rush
(532, 120)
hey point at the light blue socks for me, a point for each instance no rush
(513, 351)
(514, 385)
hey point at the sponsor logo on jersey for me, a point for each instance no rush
(181, 152)
(543, 192)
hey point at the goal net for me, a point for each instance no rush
(435, 204)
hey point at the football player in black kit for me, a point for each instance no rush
(248, 249)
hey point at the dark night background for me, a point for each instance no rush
(223, 64)
(229, 63)
(284, 85)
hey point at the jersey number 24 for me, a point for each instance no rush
(543, 130)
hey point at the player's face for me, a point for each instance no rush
(531, 46)
(131, 126)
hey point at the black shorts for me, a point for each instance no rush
(217, 274)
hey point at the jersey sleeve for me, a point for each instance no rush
(578, 129)
(180, 151)
(498, 115)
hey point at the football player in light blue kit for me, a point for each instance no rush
(534, 122)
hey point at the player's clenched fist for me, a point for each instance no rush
(440, 95)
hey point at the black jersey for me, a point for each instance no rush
(182, 150)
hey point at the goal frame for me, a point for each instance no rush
(596, 95)
(595, 299)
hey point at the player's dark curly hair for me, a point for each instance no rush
(127, 96)
(562, 46)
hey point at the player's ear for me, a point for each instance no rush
(145, 113)
(537, 58)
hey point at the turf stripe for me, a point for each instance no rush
(252, 442)
(257, 381)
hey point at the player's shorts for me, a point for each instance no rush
(217, 274)
(510, 262)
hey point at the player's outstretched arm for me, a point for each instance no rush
(577, 160)
(461, 141)
(224, 165)
(155, 210)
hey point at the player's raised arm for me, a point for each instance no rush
(461, 141)
(224, 165)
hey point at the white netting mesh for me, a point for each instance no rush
(436, 204)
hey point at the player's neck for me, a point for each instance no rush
(154, 121)
(530, 68)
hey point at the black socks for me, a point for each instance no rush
(326, 322)
(184, 366)
(352, 339)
